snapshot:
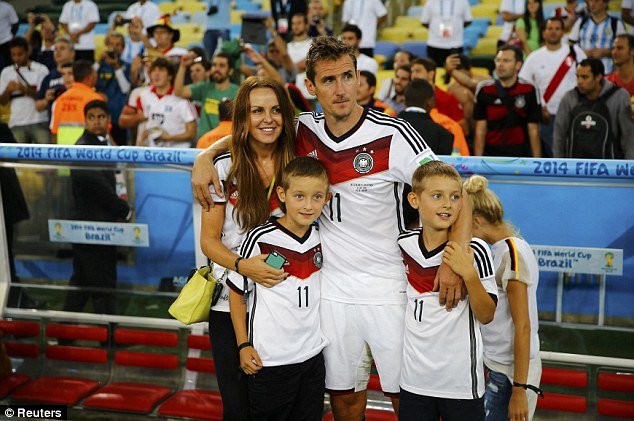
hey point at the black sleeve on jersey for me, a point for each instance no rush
(482, 259)
(239, 291)
(411, 136)
(222, 157)
(251, 238)
(534, 108)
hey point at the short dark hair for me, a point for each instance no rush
(224, 55)
(302, 14)
(406, 67)
(553, 19)
(519, 56)
(428, 63)
(303, 166)
(352, 28)
(418, 92)
(96, 103)
(629, 38)
(369, 77)
(325, 48)
(163, 63)
(595, 64)
(82, 69)
(19, 42)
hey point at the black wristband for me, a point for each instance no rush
(236, 264)
(244, 345)
(529, 387)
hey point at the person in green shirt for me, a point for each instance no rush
(529, 27)
(209, 94)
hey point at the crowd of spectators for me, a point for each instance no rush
(49, 80)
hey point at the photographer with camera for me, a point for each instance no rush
(53, 84)
(41, 35)
(113, 80)
(317, 18)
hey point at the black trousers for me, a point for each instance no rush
(415, 407)
(439, 55)
(232, 381)
(293, 392)
(94, 266)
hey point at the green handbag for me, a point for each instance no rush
(197, 296)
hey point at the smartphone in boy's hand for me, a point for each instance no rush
(275, 260)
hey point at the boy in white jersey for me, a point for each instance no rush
(442, 373)
(282, 341)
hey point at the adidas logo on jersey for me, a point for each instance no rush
(313, 153)
(498, 101)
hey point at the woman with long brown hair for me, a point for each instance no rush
(263, 142)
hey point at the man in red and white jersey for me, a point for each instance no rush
(170, 120)
(551, 69)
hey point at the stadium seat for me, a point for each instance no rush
(140, 379)
(417, 48)
(576, 378)
(407, 22)
(64, 381)
(401, 35)
(485, 11)
(485, 46)
(623, 384)
(168, 8)
(196, 403)
(236, 16)
(193, 7)
(386, 48)
(24, 351)
(494, 32)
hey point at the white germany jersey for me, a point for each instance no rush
(513, 259)
(442, 351)
(283, 323)
(368, 167)
(231, 232)
(167, 113)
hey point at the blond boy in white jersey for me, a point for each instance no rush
(442, 373)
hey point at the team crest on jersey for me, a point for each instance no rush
(520, 101)
(363, 163)
(318, 260)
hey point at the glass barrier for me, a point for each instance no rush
(577, 214)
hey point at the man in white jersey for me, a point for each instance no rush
(552, 69)
(170, 120)
(369, 157)
(595, 33)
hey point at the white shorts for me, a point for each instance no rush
(355, 332)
